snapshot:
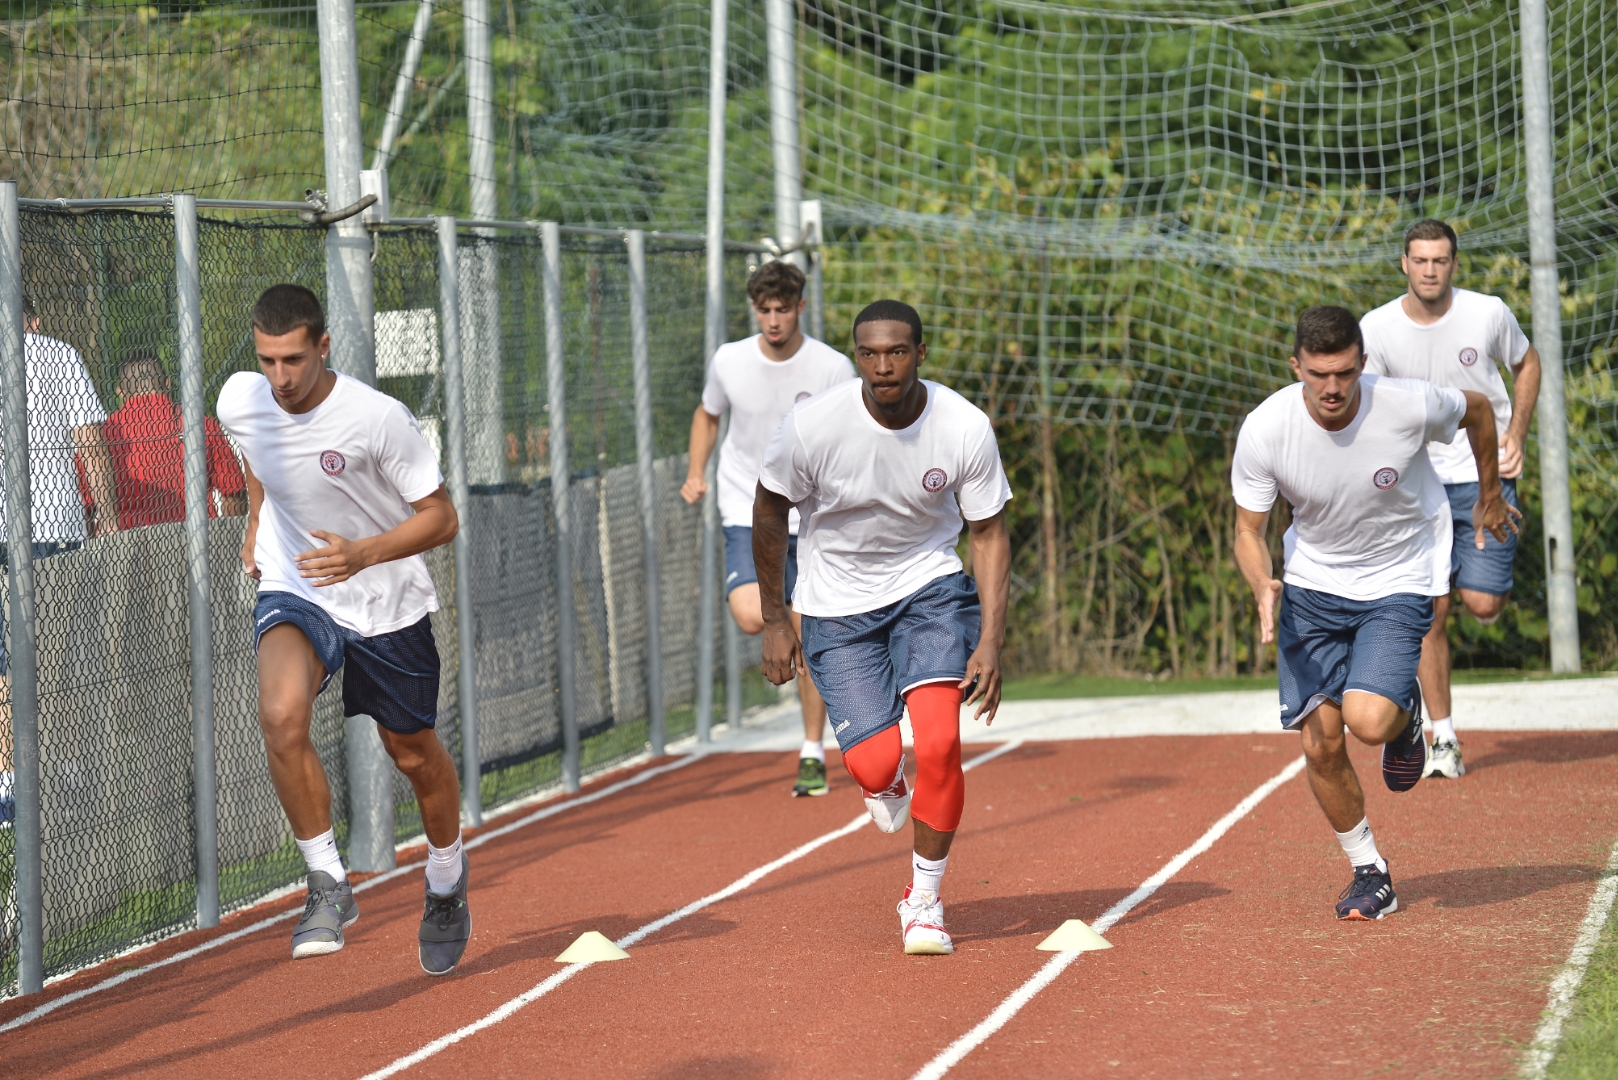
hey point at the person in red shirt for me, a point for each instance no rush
(148, 451)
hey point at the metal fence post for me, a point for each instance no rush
(640, 349)
(713, 337)
(556, 396)
(20, 616)
(199, 584)
(780, 41)
(812, 231)
(449, 306)
(733, 672)
(706, 589)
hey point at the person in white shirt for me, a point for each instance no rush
(1368, 549)
(883, 470)
(1454, 337)
(344, 494)
(758, 379)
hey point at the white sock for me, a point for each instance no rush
(1360, 846)
(443, 867)
(1444, 730)
(928, 875)
(814, 748)
(320, 853)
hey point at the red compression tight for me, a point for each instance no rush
(940, 790)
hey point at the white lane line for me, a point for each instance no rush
(953, 1054)
(236, 935)
(532, 995)
(1560, 1001)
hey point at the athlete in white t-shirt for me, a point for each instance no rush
(758, 379)
(1368, 547)
(1453, 337)
(344, 496)
(883, 470)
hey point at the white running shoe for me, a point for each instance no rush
(889, 808)
(921, 918)
(1446, 761)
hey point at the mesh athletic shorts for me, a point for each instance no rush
(392, 678)
(739, 568)
(863, 664)
(1329, 645)
(1489, 570)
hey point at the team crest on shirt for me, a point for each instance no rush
(933, 480)
(1469, 356)
(1385, 478)
(803, 395)
(332, 463)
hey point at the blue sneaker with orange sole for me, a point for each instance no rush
(1405, 760)
(1369, 896)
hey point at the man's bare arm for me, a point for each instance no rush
(1492, 512)
(433, 524)
(1525, 391)
(1253, 559)
(783, 657)
(704, 433)
(255, 500)
(991, 566)
(92, 448)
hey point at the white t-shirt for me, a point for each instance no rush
(61, 398)
(1463, 349)
(881, 509)
(758, 392)
(1369, 516)
(350, 466)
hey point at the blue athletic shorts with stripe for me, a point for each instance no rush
(392, 678)
(1329, 645)
(863, 664)
(1489, 570)
(739, 568)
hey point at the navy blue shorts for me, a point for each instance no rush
(1329, 645)
(739, 569)
(1489, 570)
(863, 664)
(392, 678)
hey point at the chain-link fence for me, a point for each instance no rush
(118, 821)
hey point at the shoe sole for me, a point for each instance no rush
(1355, 916)
(798, 793)
(316, 948)
(423, 962)
(928, 948)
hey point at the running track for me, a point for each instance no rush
(1232, 968)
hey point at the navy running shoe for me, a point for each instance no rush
(1406, 758)
(1368, 896)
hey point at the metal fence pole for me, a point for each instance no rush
(780, 41)
(20, 613)
(811, 224)
(707, 588)
(1561, 588)
(193, 389)
(640, 349)
(449, 306)
(713, 337)
(733, 672)
(556, 396)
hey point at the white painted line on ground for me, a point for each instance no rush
(953, 1054)
(539, 815)
(1560, 1001)
(751, 878)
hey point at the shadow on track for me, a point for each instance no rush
(1490, 884)
(1040, 913)
(1548, 749)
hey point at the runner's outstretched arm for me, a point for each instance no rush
(1525, 388)
(1492, 511)
(991, 566)
(255, 500)
(704, 433)
(783, 658)
(1253, 557)
(434, 523)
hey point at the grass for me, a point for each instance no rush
(1036, 687)
(1589, 1047)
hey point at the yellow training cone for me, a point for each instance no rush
(1074, 936)
(594, 947)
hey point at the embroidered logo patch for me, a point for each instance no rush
(803, 395)
(1385, 478)
(1469, 356)
(934, 480)
(332, 463)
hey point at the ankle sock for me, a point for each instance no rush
(1360, 846)
(443, 867)
(815, 748)
(320, 853)
(1444, 730)
(928, 874)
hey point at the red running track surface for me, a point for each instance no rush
(1235, 967)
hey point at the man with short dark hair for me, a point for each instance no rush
(758, 379)
(1368, 547)
(344, 496)
(1455, 337)
(884, 470)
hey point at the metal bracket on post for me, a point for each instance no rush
(640, 350)
(556, 394)
(199, 582)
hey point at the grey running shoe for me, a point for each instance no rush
(329, 910)
(1446, 761)
(446, 927)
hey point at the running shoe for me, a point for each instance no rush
(446, 927)
(1446, 760)
(921, 920)
(1368, 896)
(329, 910)
(1404, 760)
(890, 807)
(811, 778)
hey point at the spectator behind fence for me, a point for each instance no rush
(146, 443)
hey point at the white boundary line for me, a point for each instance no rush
(235, 935)
(1560, 1000)
(752, 877)
(957, 1050)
